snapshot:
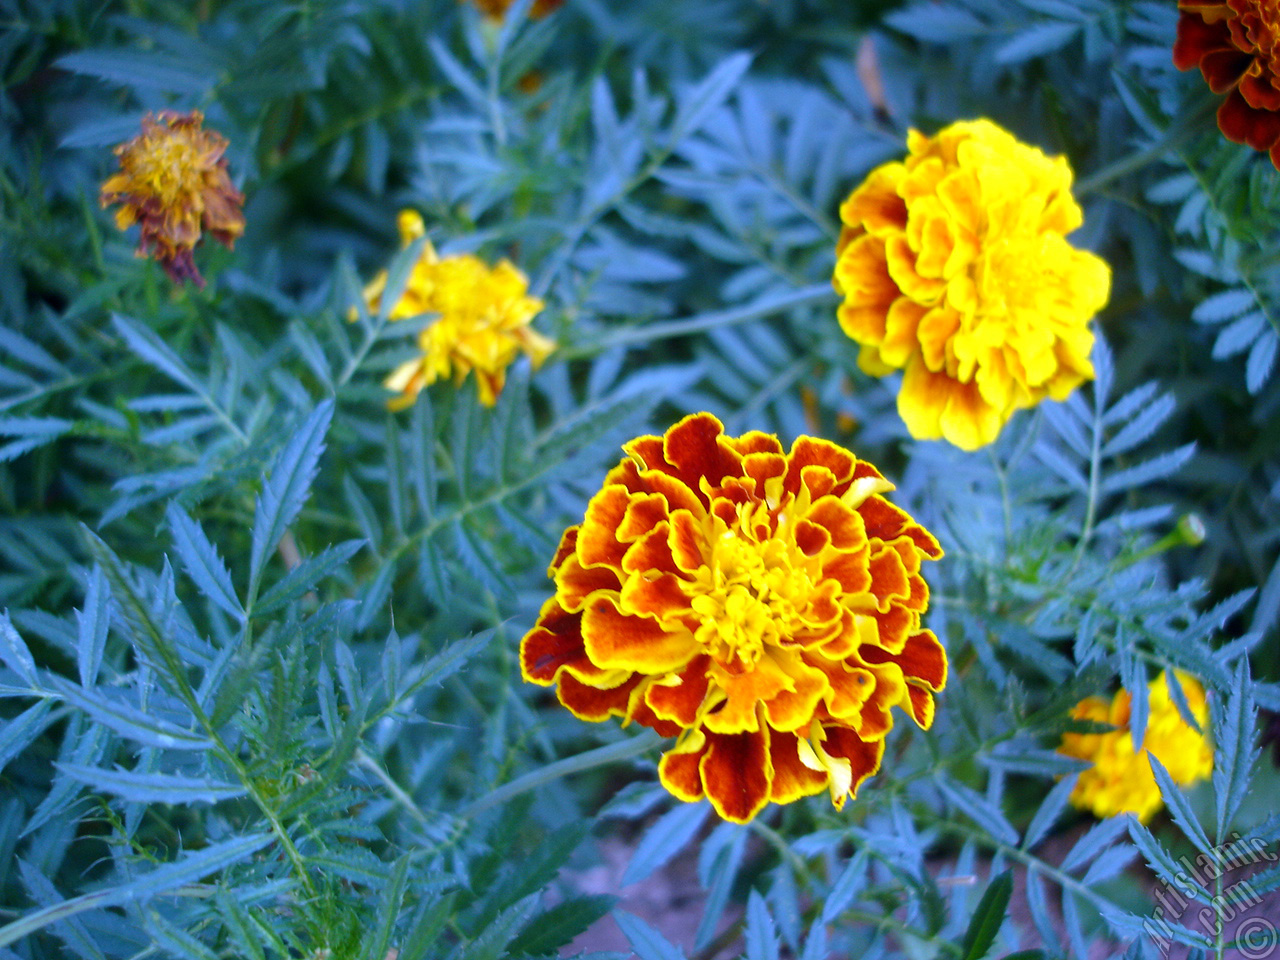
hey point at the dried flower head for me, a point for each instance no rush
(483, 322)
(497, 9)
(1120, 780)
(762, 605)
(954, 267)
(173, 182)
(1236, 45)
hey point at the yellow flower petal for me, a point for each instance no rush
(954, 263)
(482, 323)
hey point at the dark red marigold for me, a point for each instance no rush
(1236, 45)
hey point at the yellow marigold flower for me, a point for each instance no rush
(1120, 780)
(173, 181)
(954, 267)
(762, 605)
(483, 322)
(497, 9)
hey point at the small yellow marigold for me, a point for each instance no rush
(762, 605)
(172, 182)
(483, 322)
(1120, 780)
(954, 267)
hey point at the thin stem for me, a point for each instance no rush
(1002, 478)
(1183, 129)
(601, 756)
(644, 333)
(397, 792)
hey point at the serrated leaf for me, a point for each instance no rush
(93, 623)
(1038, 905)
(1052, 458)
(32, 432)
(1160, 860)
(174, 941)
(847, 886)
(140, 69)
(1223, 306)
(1262, 358)
(694, 105)
(129, 721)
(17, 733)
(1178, 805)
(1037, 41)
(287, 488)
(761, 935)
(189, 869)
(664, 840)
(722, 871)
(152, 787)
(305, 576)
(550, 931)
(1099, 837)
(201, 561)
(1157, 468)
(647, 942)
(1049, 811)
(1239, 335)
(1108, 863)
(935, 23)
(980, 810)
(987, 917)
(1234, 720)
(1141, 427)
(143, 341)
(457, 73)
(14, 652)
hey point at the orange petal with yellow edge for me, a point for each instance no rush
(680, 701)
(614, 640)
(791, 778)
(736, 773)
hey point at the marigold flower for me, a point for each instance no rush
(1236, 45)
(763, 606)
(954, 267)
(1120, 780)
(483, 322)
(172, 181)
(497, 9)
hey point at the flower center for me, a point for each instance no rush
(752, 590)
(169, 166)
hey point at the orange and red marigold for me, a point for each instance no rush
(1236, 45)
(173, 182)
(761, 605)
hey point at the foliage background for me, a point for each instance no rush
(212, 747)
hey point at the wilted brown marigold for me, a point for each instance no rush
(763, 606)
(173, 182)
(1236, 45)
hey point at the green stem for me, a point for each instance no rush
(600, 757)
(99, 899)
(644, 333)
(1183, 129)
